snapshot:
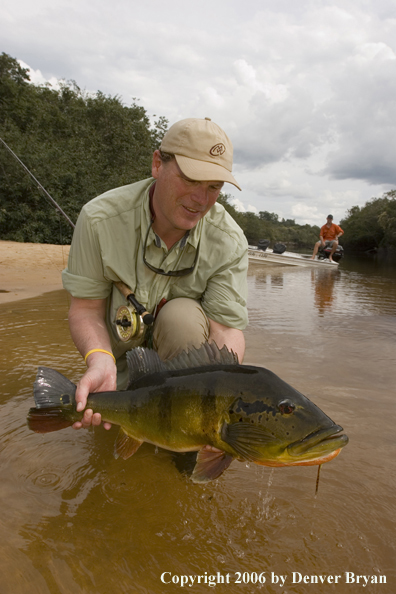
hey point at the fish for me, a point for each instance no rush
(202, 397)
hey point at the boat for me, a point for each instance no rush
(272, 256)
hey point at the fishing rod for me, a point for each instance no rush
(127, 318)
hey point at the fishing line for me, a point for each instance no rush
(38, 184)
(129, 328)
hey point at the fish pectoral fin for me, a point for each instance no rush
(210, 465)
(246, 439)
(125, 445)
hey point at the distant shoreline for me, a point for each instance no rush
(30, 269)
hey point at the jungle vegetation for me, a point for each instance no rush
(267, 225)
(372, 226)
(76, 144)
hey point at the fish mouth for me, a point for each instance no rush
(319, 445)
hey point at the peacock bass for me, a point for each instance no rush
(201, 397)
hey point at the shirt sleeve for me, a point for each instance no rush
(225, 297)
(84, 277)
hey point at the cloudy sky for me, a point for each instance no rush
(306, 89)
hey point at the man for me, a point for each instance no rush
(167, 240)
(329, 234)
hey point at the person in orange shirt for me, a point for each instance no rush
(329, 234)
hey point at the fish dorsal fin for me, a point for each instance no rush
(143, 361)
(207, 354)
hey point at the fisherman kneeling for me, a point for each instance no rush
(168, 240)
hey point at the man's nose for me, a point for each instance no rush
(200, 193)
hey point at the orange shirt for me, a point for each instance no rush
(330, 233)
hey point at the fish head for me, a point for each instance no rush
(275, 425)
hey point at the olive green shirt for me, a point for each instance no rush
(108, 244)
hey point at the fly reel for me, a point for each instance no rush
(131, 320)
(129, 323)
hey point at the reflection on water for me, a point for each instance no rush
(76, 520)
(323, 282)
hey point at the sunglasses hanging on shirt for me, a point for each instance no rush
(182, 272)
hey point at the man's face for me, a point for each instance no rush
(179, 202)
(329, 221)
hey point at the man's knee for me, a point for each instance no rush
(180, 324)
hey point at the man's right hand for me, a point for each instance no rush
(101, 376)
(88, 330)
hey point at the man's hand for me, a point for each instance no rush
(89, 332)
(101, 376)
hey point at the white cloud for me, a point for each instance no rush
(238, 205)
(37, 78)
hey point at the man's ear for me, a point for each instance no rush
(156, 164)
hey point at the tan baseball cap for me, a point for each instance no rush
(202, 149)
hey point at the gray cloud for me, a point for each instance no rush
(305, 90)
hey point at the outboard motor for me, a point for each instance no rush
(324, 252)
(279, 248)
(263, 244)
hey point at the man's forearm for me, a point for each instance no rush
(87, 325)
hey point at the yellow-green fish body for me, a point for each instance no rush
(201, 398)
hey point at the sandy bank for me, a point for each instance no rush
(30, 269)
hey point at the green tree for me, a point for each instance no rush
(77, 144)
(372, 225)
(264, 215)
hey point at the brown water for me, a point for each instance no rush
(76, 521)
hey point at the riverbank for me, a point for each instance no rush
(30, 269)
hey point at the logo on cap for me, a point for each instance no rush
(217, 150)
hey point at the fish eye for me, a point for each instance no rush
(286, 407)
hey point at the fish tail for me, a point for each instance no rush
(46, 420)
(54, 396)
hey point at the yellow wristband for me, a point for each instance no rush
(98, 351)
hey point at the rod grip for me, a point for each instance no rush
(123, 289)
(147, 318)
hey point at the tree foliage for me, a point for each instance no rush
(371, 226)
(76, 144)
(266, 225)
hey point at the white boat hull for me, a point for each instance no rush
(287, 258)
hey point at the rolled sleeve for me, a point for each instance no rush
(84, 287)
(84, 277)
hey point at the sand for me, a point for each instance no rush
(30, 269)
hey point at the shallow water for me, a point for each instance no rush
(75, 520)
